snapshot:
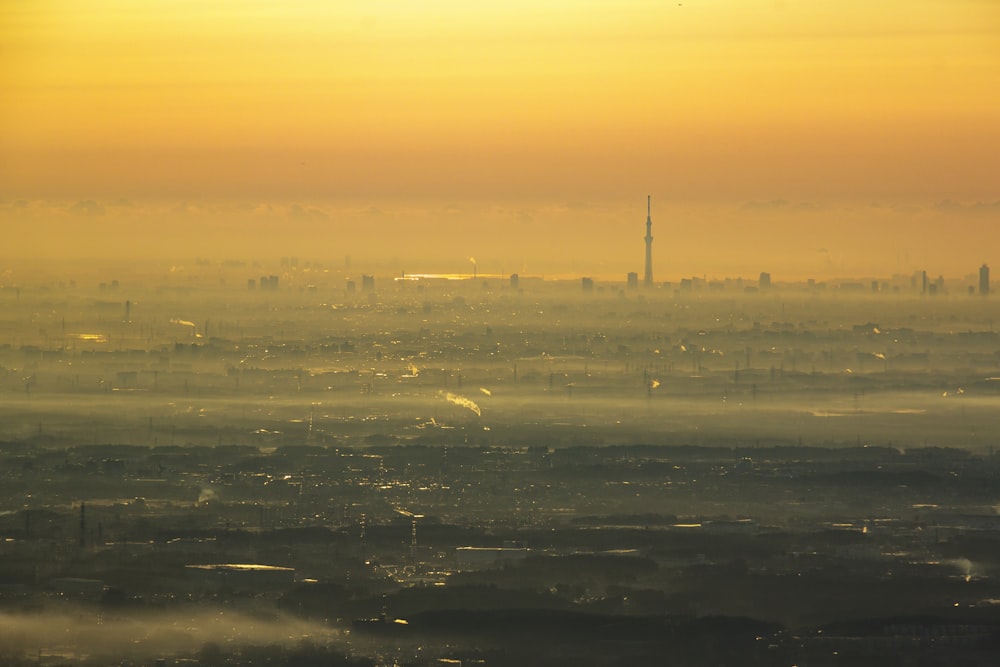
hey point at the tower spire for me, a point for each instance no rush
(648, 278)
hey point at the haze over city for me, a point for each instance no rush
(815, 139)
(499, 333)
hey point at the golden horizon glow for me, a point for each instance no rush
(841, 110)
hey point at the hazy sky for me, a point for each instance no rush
(800, 136)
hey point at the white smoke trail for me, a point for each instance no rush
(206, 495)
(461, 401)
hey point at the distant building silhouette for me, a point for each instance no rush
(765, 280)
(633, 280)
(984, 280)
(514, 281)
(351, 286)
(647, 279)
(266, 283)
(367, 283)
(933, 287)
(587, 284)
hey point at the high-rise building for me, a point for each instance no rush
(647, 280)
(984, 280)
(765, 280)
(633, 280)
(938, 285)
(514, 281)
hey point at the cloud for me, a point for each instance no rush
(262, 209)
(948, 205)
(783, 205)
(771, 205)
(185, 208)
(951, 206)
(87, 207)
(32, 208)
(309, 213)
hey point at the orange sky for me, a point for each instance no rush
(800, 136)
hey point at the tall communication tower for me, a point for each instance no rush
(647, 280)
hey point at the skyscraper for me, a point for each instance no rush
(647, 280)
(984, 280)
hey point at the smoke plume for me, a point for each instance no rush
(462, 401)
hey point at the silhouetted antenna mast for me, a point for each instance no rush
(648, 278)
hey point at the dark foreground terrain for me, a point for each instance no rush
(494, 555)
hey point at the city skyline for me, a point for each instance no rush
(333, 332)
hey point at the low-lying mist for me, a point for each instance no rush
(674, 409)
(148, 634)
(219, 355)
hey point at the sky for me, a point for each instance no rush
(803, 137)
